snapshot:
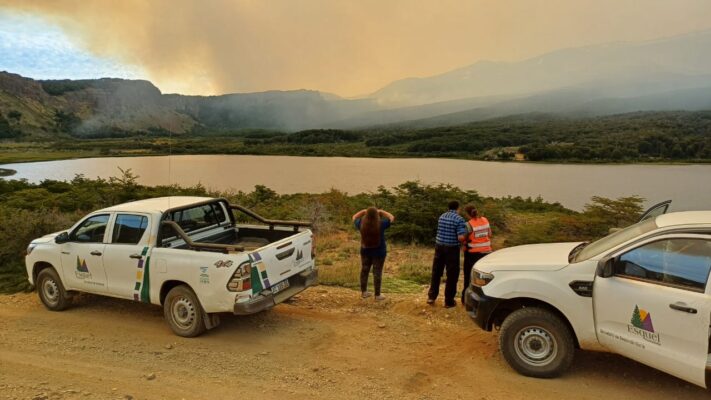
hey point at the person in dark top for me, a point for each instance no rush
(451, 233)
(372, 223)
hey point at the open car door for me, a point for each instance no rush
(656, 210)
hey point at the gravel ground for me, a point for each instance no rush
(327, 343)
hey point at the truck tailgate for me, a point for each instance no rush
(280, 260)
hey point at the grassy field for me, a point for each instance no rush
(407, 267)
(15, 152)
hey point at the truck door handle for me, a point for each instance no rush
(136, 256)
(682, 307)
(95, 253)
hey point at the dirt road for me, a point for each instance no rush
(326, 344)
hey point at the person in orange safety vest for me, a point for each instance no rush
(478, 243)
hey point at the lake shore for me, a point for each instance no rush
(570, 184)
(63, 155)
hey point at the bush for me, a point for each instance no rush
(17, 228)
(593, 223)
(417, 208)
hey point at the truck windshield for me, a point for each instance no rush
(616, 239)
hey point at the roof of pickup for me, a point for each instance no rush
(157, 204)
(684, 218)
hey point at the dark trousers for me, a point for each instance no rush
(445, 258)
(366, 262)
(469, 260)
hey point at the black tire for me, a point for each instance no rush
(183, 312)
(537, 343)
(51, 290)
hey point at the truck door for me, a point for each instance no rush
(126, 255)
(652, 304)
(656, 210)
(83, 255)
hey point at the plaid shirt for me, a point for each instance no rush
(449, 227)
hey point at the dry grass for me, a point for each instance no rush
(407, 268)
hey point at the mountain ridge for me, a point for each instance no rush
(590, 80)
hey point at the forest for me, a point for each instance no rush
(637, 137)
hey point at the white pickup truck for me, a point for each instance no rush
(187, 254)
(642, 292)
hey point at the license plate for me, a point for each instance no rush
(280, 286)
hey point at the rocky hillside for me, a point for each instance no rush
(116, 107)
(41, 108)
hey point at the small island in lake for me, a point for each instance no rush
(7, 172)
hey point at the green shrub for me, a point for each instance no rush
(17, 228)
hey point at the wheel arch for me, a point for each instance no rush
(38, 266)
(170, 284)
(506, 307)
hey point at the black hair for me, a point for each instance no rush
(471, 211)
(453, 205)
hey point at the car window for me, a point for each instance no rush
(611, 241)
(91, 230)
(129, 229)
(195, 218)
(678, 262)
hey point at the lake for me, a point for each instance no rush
(689, 186)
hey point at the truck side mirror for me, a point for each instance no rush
(605, 268)
(61, 238)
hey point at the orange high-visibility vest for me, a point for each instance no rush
(479, 239)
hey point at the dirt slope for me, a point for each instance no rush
(326, 344)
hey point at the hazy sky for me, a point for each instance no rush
(344, 47)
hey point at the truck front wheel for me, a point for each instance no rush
(536, 342)
(183, 312)
(51, 291)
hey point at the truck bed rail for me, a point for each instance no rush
(225, 248)
(270, 222)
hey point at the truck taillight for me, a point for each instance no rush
(241, 278)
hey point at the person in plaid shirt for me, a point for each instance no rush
(451, 233)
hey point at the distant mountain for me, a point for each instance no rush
(659, 75)
(653, 62)
(586, 102)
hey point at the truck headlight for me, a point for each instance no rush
(481, 278)
(30, 248)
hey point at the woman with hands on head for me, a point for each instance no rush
(372, 223)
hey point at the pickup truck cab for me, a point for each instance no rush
(642, 292)
(187, 254)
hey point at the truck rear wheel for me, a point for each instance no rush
(183, 312)
(537, 343)
(51, 291)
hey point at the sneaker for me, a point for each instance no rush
(430, 301)
(379, 297)
(450, 305)
(365, 295)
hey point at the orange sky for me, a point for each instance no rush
(345, 47)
